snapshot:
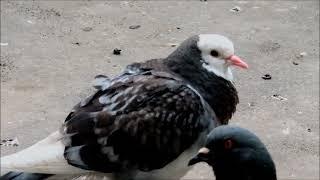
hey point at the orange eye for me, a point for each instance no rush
(228, 144)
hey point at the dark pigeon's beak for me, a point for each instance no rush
(202, 156)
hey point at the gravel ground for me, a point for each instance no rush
(51, 50)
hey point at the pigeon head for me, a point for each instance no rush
(236, 153)
(214, 53)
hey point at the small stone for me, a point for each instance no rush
(76, 43)
(286, 131)
(295, 63)
(57, 14)
(303, 54)
(309, 130)
(30, 22)
(278, 97)
(134, 27)
(117, 51)
(87, 29)
(178, 28)
(172, 44)
(235, 9)
(266, 77)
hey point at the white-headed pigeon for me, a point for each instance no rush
(235, 153)
(145, 123)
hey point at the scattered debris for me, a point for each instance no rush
(117, 51)
(10, 142)
(251, 104)
(134, 27)
(57, 13)
(4, 44)
(295, 63)
(87, 29)
(309, 130)
(76, 43)
(266, 77)
(278, 97)
(235, 9)
(30, 22)
(7, 66)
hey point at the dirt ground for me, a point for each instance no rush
(51, 50)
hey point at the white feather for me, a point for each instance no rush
(46, 157)
(217, 65)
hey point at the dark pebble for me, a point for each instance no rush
(295, 63)
(134, 27)
(76, 43)
(117, 51)
(266, 77)
(309, 130)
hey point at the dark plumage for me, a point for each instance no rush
(236, 153)
(153, 114)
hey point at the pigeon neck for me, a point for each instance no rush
(220, 93)
(260, 167)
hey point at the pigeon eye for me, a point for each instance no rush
(228, 144)
(214, 53)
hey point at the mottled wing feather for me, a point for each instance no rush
(140, 122)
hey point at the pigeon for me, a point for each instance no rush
(236, 153)
(146, 122)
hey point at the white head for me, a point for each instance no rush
(217, 54)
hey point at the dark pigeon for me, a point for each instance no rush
(236, 153)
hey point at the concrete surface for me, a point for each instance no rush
(51, 56)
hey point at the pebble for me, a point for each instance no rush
(235, 9)
(266, 77)
(134, 27)
(117, 51)
(278, 97)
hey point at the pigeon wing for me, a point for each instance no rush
(141, 121)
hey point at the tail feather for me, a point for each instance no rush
(24, 176)
(45, 157)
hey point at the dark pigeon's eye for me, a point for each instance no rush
(228, 144)
(214, 53)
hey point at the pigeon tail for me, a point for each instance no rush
(45, 157)
(24, 176)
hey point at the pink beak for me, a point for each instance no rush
(236, 61)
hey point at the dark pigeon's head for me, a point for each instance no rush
(214, 52)
(236, 153)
